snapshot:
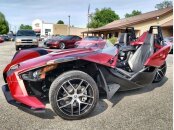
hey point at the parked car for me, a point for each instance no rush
(90, 41)
(71, 79)
(26, 39)
(169, 40)
(5, 37)
(11, 37)
(52, 39)
(1, 39)
(63, 42)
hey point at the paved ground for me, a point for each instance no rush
(149, 108)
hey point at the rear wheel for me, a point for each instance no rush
(73, 95)
(62, 45)
(160, 73)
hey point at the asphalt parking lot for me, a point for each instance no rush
(149, 108)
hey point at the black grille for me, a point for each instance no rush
(26, 40)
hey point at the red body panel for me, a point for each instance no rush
(91, 43)
(19, 93)
(23, 55)
(158, 58)
(140, 40)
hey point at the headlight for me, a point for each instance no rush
(38, 74)
(18, 40)
(35, 40)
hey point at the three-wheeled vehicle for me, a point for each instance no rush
(71, 79)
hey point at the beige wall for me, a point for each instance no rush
(144, 26)
(62, 29)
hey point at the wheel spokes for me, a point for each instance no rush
(64, 98)
(85, 103)
(72, 108)
(163, 67)
(88, 96)
(65, 105)
(79, 108)
(77, 97)
(71, 85)
(159, 74)
(65, 90)
(79, 85)
(85, 88)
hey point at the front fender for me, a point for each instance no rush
(24, 55)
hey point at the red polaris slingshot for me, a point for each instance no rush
(71, 79)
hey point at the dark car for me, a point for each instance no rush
(63, 42)
(11, 37)
(70, 80)
(5, 37)
(91, 41)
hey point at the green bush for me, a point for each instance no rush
(113, 40)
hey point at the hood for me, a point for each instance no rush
(39, 61)
(25, 37)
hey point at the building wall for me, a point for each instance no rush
(77, 31)
(62, 29)
(47, 29)
(144, 26)
(37, 25)
(55, 29)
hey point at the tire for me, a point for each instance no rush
(80, 104)
(160, 74)
(17, 48)
(62, 45)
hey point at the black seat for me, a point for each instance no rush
(136, 62)
(123, 39)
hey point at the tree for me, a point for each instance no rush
(25, 27)
(164, 4)
(4, 27)
(60, 22)
(134, 13)
(102, 17)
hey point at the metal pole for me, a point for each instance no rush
(88, 18)
(88, 24)
(69, 23)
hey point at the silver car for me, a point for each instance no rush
(26, 39)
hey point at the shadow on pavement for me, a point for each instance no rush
(120, 95)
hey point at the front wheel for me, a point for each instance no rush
(73, 95)
(161, 71)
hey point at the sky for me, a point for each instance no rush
(25, 11)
